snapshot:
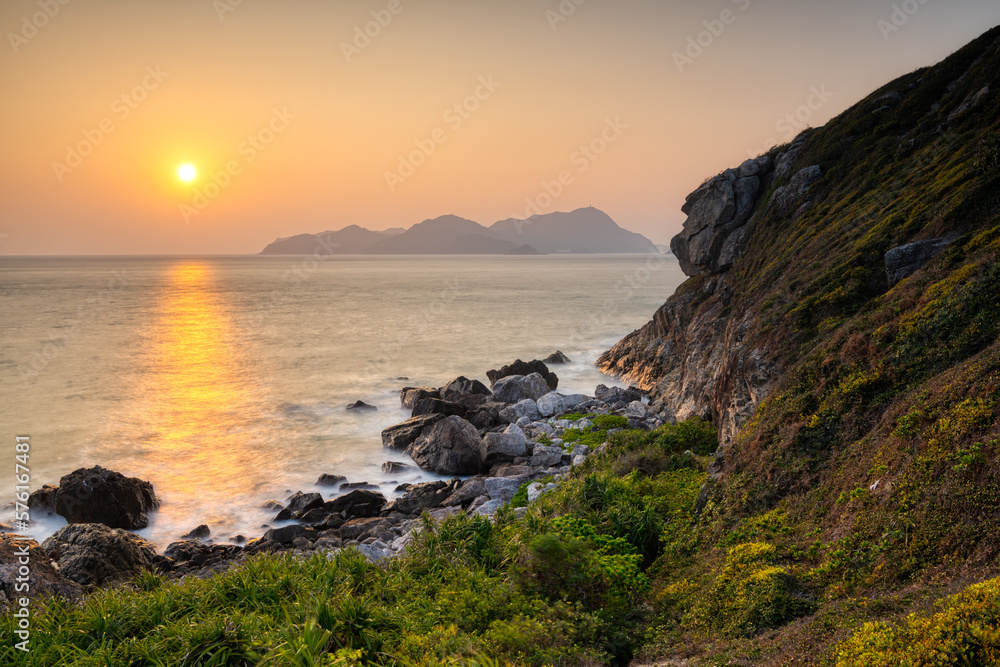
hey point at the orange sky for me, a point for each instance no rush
(103, 100)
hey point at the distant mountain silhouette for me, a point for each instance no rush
(351, 240)
(586, 230)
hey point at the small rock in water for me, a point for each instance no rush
(273, 505)
(557, 357)
(403, 377)
(330, 480)
(199, 533)
(238, 539)
(361, 406)
(392, 467)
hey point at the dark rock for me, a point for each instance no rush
(314, 516)
(436, 406)
(525, 368)
(451, 447)
(359, 503)
(410, 396)
(199, 533)
(470, 489)
(359, 529)
(419, 497)
(238, 539)
(284, 515)
(488, 416)
(557, 357)
(516, 388)
(903, 261)
(462, 387)
(95, 554)
(193, 554)
(43, 499)
(43, 578)
(331, 521)
(98, 495)
(303, 502)
(401, 436)
(617, 394)
(350, 486)
(273, 505)
(394, 467)
(285, 534)
(330, 480)
(361, 406)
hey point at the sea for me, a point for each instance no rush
(224, 381)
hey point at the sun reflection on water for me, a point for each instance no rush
(200, 395)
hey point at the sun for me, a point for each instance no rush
(187, 172)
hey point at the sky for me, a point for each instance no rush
(307, 115)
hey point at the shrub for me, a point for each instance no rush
(966, 631)
(751, 592)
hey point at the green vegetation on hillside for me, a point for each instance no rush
(568, 583)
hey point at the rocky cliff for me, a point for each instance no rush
(783, 249)
(695, 354)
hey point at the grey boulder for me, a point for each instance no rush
(451, 446)
(516, 388)
(402, 435)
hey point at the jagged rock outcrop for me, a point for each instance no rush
(716, 211)
(694, 355)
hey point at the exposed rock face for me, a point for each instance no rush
(694, 356)
(94, 554)
(525, 368)
(402, 435)
(451, 446)
(789, 196)
(515, 388)
(98, 495)
(43, 578)
(903, 261)
(716, 211)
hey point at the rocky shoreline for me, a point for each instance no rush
(496, 441)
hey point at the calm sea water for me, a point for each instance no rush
(224, 381)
